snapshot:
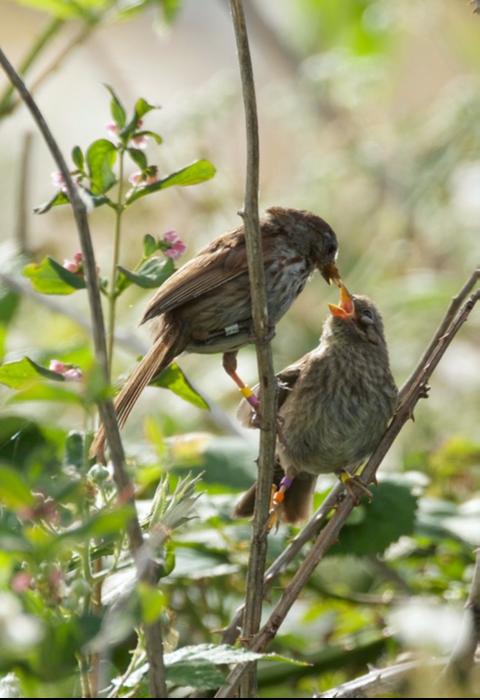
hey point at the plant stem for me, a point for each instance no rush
(258, 293)
(50, 31)
(112, 297)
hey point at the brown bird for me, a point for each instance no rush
(205, 306)
(333, 404)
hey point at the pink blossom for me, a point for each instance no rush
(139, 179)
(78, 257)
(71, 266)
(171, 237)
(57, 366)
(140, 141)
(112, 128)
(74, 374)
(21, 581)
(58, 180)
(176, 250)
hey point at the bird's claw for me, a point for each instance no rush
(355, 487)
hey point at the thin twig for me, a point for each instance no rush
(145, 568)
(462, 658)
(380, 681)
(21, 223)
(258, 294)
(330, 533)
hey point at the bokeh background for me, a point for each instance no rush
(369, 116)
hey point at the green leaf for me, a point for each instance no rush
(23, 373)
(139, 158)
(152, 134)
(9, 302)
(74, 448)
(174, 379)
(142, 107)
(152, 602)
(49, 277)
(59, 8)
(14, 493)
(193, 174)
(77, 157)
(104, 524)
(47, 392)
(101, 156)
(117, 110)
(57, 199)
(152, 273)
(374, 526)
(149, 245)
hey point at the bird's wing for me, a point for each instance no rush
(218, 263)
(286, 381)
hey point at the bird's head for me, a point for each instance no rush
(356, 318)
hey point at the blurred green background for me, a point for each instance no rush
(370, 117)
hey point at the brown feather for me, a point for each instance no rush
(163, 351)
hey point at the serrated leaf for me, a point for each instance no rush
(14, 493)
(23, 373)
(117, 110)
(49, 277)
(390, 515)
(77, 157)
(174, 379)
(151, 274)
(101, 156)
(149, 245)
(57, 200)
(193, 174)
(139, 158)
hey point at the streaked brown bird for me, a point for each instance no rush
(334, 405)
(205, 306)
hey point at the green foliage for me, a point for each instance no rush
(374, 526)
(193, 174)
(49, 277)
(174, 379)
(101, 156)
(151, 274)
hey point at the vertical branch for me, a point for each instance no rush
(145, 568)
(258, 293)
(21, 224)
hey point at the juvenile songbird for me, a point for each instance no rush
(334, 405)
(205, 306)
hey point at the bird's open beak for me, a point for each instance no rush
(346, 307)
(331, 274)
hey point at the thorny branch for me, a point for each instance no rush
(413, 390)
(146, 569)
(258, 294)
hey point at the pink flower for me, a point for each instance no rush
(176, 246)
(171, 237)
(74, 374)
(78, 257)
(140, 141)
(58, 181)
(112, 129)
(139, 179)
(57, 366)
(21, 581)
(75, 265)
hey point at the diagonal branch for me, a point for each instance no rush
(330, 533)
(258, 294)
(145, 567)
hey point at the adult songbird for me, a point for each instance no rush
(334, 405)
(205, 306)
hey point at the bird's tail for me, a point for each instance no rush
(166, 347)
(298, 497)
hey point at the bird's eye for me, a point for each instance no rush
(367, 317)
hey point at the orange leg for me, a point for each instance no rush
(230, 367)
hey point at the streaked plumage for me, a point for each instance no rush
(334, 405)
(205, 306)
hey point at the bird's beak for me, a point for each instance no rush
(331, 274)
(346, 307)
